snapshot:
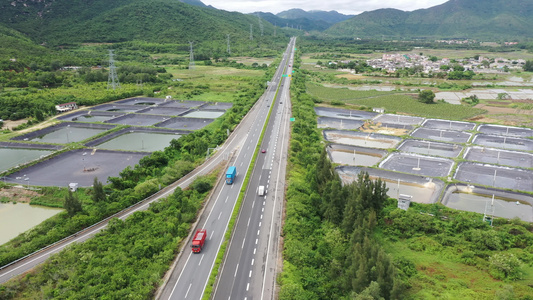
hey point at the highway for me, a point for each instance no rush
(189, 277)
(249, 268)
(240, 144)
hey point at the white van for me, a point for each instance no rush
(261, 190)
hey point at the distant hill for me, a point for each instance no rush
(300, 23)
(331, 17)
(479, 19)
(68, 21)
(16, 45)
(18, 51)
(194, 2)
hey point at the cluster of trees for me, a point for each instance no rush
(127, 74)
(426, 96)
(34, 79)
(52, 79)
(471, 100)
(129, 258)
(330, 251)
(17, 105)
(528, 66)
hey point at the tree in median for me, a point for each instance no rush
(426, 96)
(72, 204)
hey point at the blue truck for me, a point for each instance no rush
(230, 174)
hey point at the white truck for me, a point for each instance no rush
(261, 191)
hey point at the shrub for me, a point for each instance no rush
(505, 266)
(426, 96)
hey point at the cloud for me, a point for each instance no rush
(344, 6)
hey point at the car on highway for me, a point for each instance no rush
(263, 150)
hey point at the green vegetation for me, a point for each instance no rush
(64, 22)
(426, 96)
(476, 19)
(351, 242)
(134, 184)
(342, 94)
(329, 248)
(125, 261)
(454, 254)
(34, 91)
(528, 66)
(72, 204)
(394, 103)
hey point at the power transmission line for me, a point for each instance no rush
(260, 24)
(251, 32)
(228, 48)
(191, 58)
(112, 79)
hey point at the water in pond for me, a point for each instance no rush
(503, 207)
(18, 218)
(68, 135)
(369, 143)
(355, 159)
(204, 114)
(504, 142)
(93, 118)
(421, 192)
(12, 157)
(140, 141)
(432, 149)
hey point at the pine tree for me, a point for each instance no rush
(72, 204)
(98, 191)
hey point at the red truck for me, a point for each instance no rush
(198, 240)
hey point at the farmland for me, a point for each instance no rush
(393, 102)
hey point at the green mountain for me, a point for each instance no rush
(299, 23)
(18, 50)
(74, 21)
(479, 19)
(194, 2)
(330, 17)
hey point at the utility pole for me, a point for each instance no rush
(228, 48)
(260, 24)
(112, 79)
(191, 58)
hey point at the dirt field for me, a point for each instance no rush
(377, 128)
(351, 76)
(12, 124)
(505, 116)
(18, 194)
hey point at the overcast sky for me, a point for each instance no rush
(349, 7)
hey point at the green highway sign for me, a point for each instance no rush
(292, 119)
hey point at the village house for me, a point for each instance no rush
(66, 107)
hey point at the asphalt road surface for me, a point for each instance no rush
(190, 274)
(249, 268)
